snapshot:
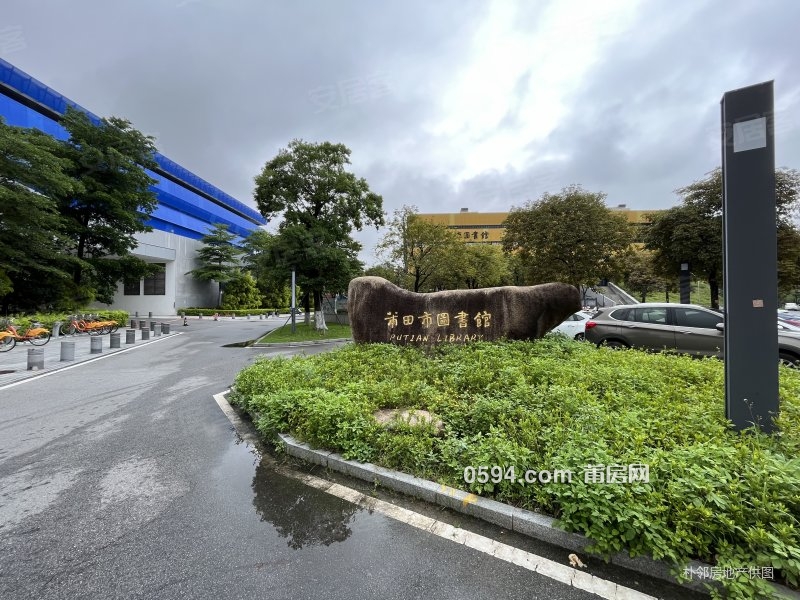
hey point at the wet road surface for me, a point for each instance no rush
(123, 479)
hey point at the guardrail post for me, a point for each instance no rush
(67, 351)
(145, 333)
(96, 346)
(130, 336)
(35, 358)
(114, 340)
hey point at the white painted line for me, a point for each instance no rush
(86, 362)
(532, 562)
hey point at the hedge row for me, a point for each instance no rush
(23, 322)
(209, 312)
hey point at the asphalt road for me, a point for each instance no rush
(122, 478)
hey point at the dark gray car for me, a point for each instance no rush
(683, 328)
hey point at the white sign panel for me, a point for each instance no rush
(750, 135)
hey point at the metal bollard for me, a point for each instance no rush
(35, 358)
(114, 343)
(142, 325)
(152, 326)
(145, 334)
(136, 314)
(56, 329)
(130, 336)
(158, 330)
(165, 328)
(96, 346)
(149, 315)
(67, 351)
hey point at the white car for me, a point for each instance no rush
(574, 326)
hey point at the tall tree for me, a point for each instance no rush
(422, 250)
(261, 258)
(321, 203)
(692, 231)
(478, 266)
(112, 203)
(570, 236)
(219, 258)
(33, 266)
(640, 275)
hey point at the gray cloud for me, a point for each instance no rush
(224, 85)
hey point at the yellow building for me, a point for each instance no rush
(488, 228)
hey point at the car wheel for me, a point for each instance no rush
(615, 344)
(790, 360)
(580, 337)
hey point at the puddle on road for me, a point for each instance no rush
(304, 516)
(246, 344)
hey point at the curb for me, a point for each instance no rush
(522, 521)
(306, 343)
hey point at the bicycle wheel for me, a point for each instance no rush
(40, 339)
(7, 343)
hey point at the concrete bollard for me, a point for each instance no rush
(133, 324)
(260, 317)
(248, 317)
(114, 340)
(136, 314)
(165, 328)
(56, 329)
(35, 359)
(96, 346)
(157, 331)
(149, 315)
(130, 336)
(67, 351)
(152, 326)
(145, 334)
(142, 325)
(201, 316)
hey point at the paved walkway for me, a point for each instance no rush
(14, 363)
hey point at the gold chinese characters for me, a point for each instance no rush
(426, 319)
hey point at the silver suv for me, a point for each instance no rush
(683, 328)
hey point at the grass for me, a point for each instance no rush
(305, 333)
(728, 498)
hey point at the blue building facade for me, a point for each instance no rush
(188, 206)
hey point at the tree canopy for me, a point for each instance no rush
(321, 203)
(219, 258)
(570, 237)
(692, 231)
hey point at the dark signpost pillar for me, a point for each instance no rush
(685, 284)
(750, 257)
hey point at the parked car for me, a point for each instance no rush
(790, 317)
(574, 326)
(683, 328)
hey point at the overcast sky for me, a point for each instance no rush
(444, 104)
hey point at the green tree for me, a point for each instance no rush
(261, 260)
(640, 275)
(241, 292)
(33, 266)
(478, 266)
(570, 236)
(219, 258)
(112, 204)
(388, 271)
(421, 250)
(321, 203)
(692, 231)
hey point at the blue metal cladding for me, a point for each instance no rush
(202, 212)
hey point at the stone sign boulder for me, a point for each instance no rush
(382, 312)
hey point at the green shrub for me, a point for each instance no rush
(725, 497)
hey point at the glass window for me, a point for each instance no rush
(622, 314)
(155, 285)
(650, 315)
(132, 287)
(692, 317)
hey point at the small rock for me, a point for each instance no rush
(412, 417)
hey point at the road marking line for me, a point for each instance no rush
(86, 362)
(510, 554)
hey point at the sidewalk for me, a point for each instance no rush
(14, 363)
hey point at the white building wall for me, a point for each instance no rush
(179, 254)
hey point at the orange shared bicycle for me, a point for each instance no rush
(38, 336)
